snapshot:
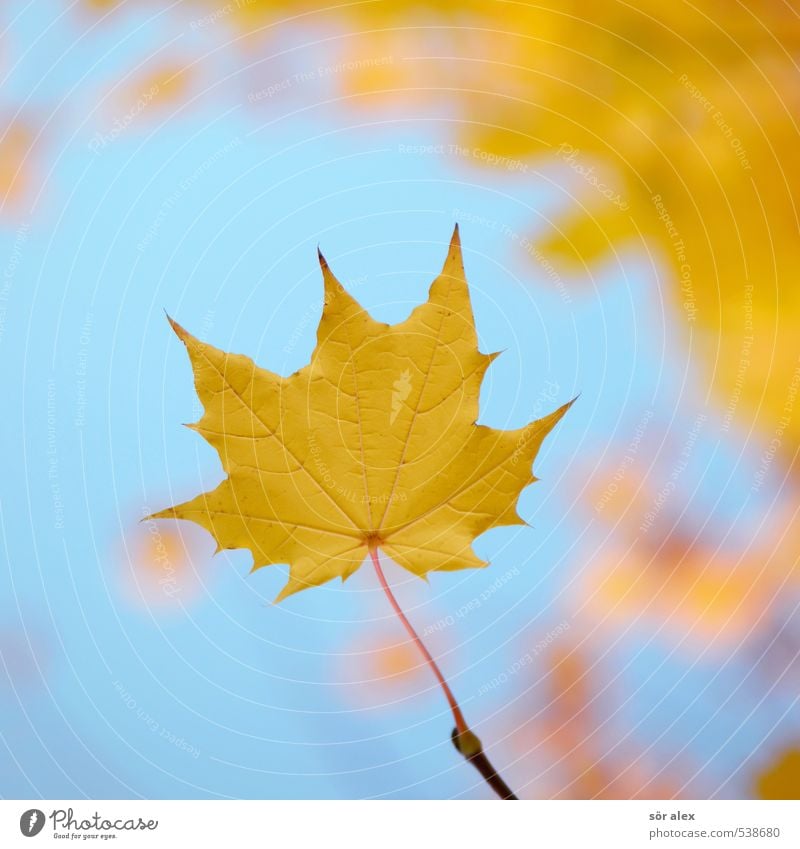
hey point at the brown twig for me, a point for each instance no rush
(485, 768)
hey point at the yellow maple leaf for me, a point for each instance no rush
(372, 445)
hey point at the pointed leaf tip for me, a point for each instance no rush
(454, 260)
(455, 239)
(329, 281)
(180, 332)
(166, 513)
(289, 589)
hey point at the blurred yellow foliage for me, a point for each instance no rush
(708, 595)
(158, 567)
(570, 728)
(16, 147)
(781, 780)
(382, 662)
(675, 127)
(160, 85)
(708, 600)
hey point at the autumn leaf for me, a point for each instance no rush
(372, 445)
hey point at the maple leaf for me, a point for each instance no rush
(374, 444)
